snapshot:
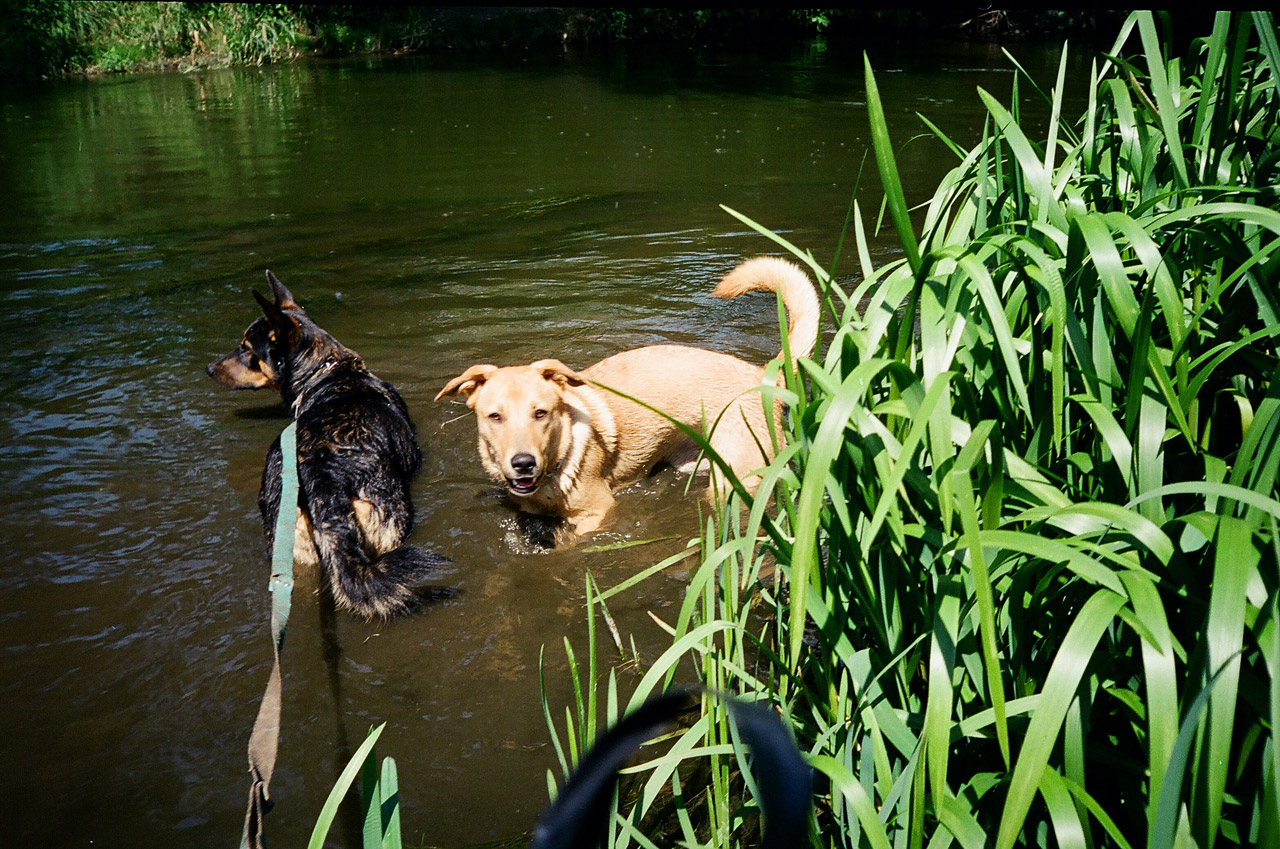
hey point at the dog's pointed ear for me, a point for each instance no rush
(558, 372)
(267, 306)
(284, 299)
(282, 324)
(468, 382)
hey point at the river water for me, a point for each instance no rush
(430, 218)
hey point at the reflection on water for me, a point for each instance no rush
(430, 218)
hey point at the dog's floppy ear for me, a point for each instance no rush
(556, 371)
(284, 299)
(468, 382)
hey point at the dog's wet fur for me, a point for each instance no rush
(356, 456)
(560, 442)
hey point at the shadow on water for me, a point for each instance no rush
(430, 218)
(349, 822)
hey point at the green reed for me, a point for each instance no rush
(1017, 583)
(380, 798)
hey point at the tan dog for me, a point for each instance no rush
(561, 445)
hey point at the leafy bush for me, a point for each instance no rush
(37, 37)
(123, 57)
(49, 37)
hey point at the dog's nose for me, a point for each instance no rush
(523, 464)
(209, 368)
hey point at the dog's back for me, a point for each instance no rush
(704, 390)
(356, 456)
(713, 381)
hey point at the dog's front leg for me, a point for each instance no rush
(591, 507)
(586, 523)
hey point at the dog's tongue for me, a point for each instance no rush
(523, 485)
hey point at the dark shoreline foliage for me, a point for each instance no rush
(51, 38)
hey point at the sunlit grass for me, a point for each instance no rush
(1025, 525)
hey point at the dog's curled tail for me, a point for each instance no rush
(387, 586)
(773, 274)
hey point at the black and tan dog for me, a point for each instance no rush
(356, 455)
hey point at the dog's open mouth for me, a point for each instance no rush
(523, 485)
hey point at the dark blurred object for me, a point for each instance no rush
(578, 817)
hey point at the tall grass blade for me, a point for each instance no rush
(1064, 677)
(1234, 562)
(1162, 91)
(1169, 821)
(1264, 25)
(330, 808)
(886, 162)
(856, 796)
(390, 805)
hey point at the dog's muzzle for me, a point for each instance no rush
(526, 477)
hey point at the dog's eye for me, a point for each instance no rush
(539, 414)
(496, 418)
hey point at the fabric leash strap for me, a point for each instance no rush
(265, 739)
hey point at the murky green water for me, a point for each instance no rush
(431, 219)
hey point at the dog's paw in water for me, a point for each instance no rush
(526, 533)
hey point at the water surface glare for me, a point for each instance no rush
(430, 218)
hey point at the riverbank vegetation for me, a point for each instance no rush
(49, 38)
(1017, 581)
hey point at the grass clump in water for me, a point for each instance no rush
(1026, 543)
